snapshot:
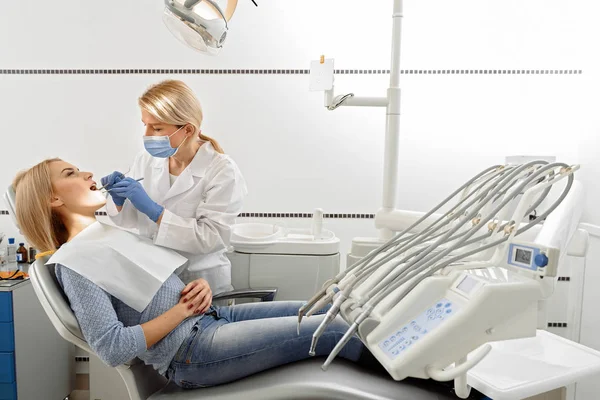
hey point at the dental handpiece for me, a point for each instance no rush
(339, 299)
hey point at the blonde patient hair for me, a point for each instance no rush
(42, 226)
(173, 102)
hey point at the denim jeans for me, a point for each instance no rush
(230, 343)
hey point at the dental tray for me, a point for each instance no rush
(516, 369)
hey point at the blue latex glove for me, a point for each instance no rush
(108, 181)
(134, 191)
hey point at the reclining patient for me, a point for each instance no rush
(176, 330)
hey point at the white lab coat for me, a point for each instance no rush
(200, 209)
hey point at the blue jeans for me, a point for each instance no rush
(230, 343)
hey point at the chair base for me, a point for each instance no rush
(306, 381)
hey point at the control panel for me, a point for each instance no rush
(543, 261)
(409, 334)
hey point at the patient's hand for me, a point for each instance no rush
(197, 295)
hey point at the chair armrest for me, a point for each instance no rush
(264, 294)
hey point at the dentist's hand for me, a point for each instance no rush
(134, 191)
(198, 295)
(108, 181)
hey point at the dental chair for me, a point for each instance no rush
(302, 380)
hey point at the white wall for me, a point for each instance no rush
(294, 154)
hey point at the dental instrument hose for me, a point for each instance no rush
(344, 294)
(417, 262)
(432, 260)
(411, 243)
(315, 303)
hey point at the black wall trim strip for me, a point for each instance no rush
(305, 215)
(288, 71)
(290, 215)
(557, 325)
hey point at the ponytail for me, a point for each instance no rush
(212, 141)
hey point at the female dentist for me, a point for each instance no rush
(191, 192)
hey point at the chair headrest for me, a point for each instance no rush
(10, 198)
(55, 302)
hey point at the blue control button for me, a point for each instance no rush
(438, 305)
(417, 328)
(396, 352)
(424, 331)
(386, 343)
(447, 305)
(415, 338)
(438, 312)
(541, 260)
(448, 311)
(393, 339)
(413, 322)
(432, 317)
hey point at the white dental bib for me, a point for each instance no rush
(129, 267)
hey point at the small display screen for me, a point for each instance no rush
(467, 285)
(523, 256)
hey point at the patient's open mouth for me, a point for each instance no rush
(93, 187)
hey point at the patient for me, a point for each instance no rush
(179, 333)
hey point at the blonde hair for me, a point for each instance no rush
(42, 227)
(173, 102)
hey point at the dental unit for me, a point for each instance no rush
(453, 282)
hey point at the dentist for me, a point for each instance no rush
(191, 192)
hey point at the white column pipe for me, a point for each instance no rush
(396, 36)
(392, 135)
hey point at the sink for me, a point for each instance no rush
(274, 239)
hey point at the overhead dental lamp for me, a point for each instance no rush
(200, 24)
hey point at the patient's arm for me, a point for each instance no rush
(114, 343)
(160, 326)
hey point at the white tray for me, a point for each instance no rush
(516, 369)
